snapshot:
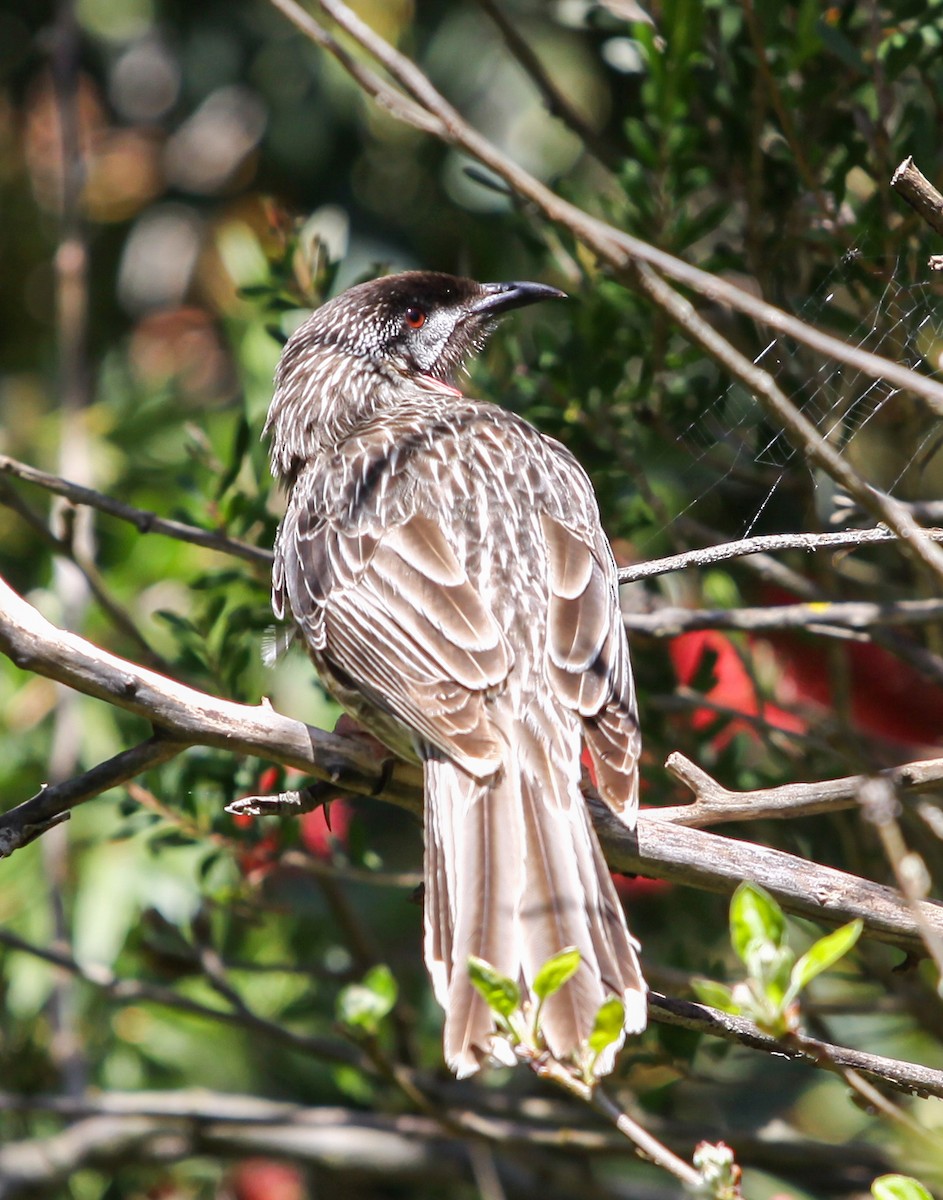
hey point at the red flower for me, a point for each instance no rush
(733, 688)
(320, 827)
(266, 1179)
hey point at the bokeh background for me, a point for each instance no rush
(179, 184)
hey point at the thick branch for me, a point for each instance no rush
(614, 246)
(52, 804)
(187, 716)
(911, 183)
(659, 847)
(719, 864)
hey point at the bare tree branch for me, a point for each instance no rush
(833, 618)
(146, 522)
(770, 543)
(34, 644)
(714, 804)
(659, 847)
(903, 1076)
(911, 183)
(614, 246)
(52, 803)
(131, 991)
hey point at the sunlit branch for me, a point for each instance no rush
(141, 519)
(658, 847)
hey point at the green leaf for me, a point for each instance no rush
(502, 995)
(717, 995)
(824, 954)
(556, 971)
(380, 981)
(898, 1187)
(364, 1005)
(607, 1027)
(755, 920)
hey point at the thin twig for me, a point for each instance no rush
(908, 1077)
(834, 618)
(646, 1142)
(68, 545)
(614, 246)
(53, 803)
(144, 521)
(879, 805)
(558, 105)
(714, 804)
(771, 543)
(131, 991)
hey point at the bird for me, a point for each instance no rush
(445, 566)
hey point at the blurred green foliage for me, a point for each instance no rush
(230, 177)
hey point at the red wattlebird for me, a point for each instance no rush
(445, 565)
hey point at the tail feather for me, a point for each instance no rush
(470, 905)
(514, 874)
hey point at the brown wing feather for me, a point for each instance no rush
(395, 611)
(588, 659)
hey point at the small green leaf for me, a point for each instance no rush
(607, 1027)
(824, 954)
(556, 971)
(755, 918)
(771, 967)
(717, 995)
(380, 981)
(898, 1187)
(502, 995)
(364, 1005)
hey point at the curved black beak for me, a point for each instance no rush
(500, 297)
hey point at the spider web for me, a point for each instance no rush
(882, 310)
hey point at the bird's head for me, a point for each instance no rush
(350, 356)
(422, 323)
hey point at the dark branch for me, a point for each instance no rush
(146, 522)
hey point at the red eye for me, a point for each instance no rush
(415, 318)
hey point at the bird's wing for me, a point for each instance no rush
(391, 607)
(588, 655)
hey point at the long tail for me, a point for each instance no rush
(514, 874)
